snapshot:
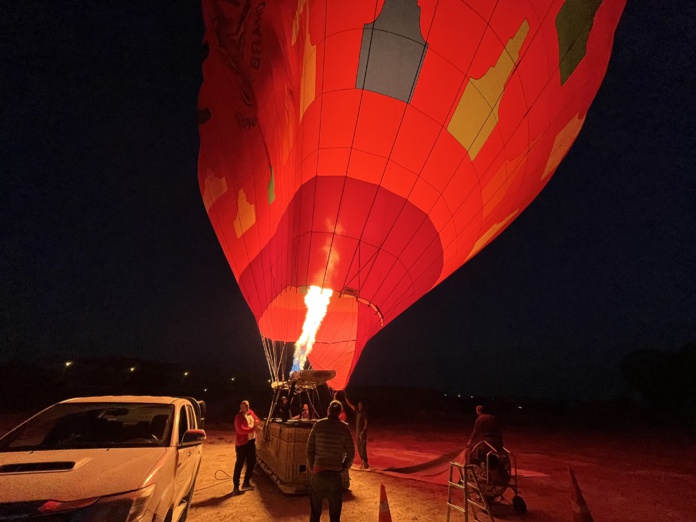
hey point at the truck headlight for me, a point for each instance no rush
(126, 507)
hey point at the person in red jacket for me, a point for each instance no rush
(246, 424)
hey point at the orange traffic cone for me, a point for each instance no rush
(581, 513)
(384, 513)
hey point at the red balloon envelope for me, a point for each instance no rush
(373, 147)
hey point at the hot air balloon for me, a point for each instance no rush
(356, 153)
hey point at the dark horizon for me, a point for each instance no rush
(107, 248)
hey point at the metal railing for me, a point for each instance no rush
(474, 501)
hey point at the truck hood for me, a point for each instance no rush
(37, 475)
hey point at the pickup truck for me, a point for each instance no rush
(103, 459)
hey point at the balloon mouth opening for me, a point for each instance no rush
(317, 301)
(284, 318)
(348, 323)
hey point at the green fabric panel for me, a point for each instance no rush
(573, 25)
(271, 188)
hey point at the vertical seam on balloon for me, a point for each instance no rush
(465, 80)
(523, 119)
(243, 240)
(362, 91)
(316, 166)
(466, 74)
(350, 154)
(429, 153)
(263, 284)
(527, 204)
(269, 287)
(400, 299)
(386, 165)
(345, 318)
(292, 266)
(361, 270)
(499, 99)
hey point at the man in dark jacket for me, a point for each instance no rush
(283, 409)
(330, 450)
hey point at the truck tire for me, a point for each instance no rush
(188, 498)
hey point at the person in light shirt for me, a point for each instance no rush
(246, 424)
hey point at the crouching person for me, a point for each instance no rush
(330, 450)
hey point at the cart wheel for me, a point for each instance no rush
(519, 505)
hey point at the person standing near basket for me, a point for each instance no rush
(330, 451)
(360, 430)
(246, 424)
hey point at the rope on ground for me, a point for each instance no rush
(226, 476)
(443, 459)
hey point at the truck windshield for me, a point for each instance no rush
(93, 425)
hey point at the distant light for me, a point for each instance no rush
(269, 380)
(445, 395)
(205, 389)
(186, 374)
(459, 395)
(132, 368)
(519, 407)
(68, 364)
(471, 396)
(232, 379)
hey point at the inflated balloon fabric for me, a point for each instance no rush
(374, 147)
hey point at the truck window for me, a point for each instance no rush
(183, 423)
(192, 417)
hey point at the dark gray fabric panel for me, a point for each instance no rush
(392, 51)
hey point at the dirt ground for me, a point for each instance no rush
(212, 502)
(624, 477)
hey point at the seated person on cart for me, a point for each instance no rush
(488, 464)
(486, 428)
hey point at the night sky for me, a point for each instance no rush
(106, 248)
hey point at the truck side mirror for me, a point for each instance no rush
(193, 438)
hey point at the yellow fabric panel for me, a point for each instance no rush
(246, 217)
(214, 188)
(309, 75)
(483, 241)
(476, 114)
(562, 143)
